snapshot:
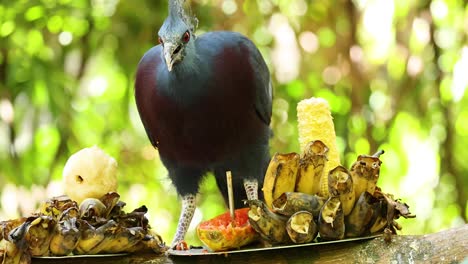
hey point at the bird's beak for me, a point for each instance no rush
(168, 52)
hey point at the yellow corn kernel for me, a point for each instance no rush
(316, 123)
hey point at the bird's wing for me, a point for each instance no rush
(145, 90)
(263, 91)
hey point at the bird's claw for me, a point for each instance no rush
(180, 245)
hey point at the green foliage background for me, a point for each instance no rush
(394, 72)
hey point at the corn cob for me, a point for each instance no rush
(316, 123)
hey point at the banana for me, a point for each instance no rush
(316, 123)
(66, 234)
(92, 207)
(378, 220)
(110, 200)
(61, 228)
(152, 242)
(270, 226)
(13, 247)
(11, 254)
(311, 167)
(357, 222)
(365, 173)
(65, 238)
(55, 206)
(301, 227)
(387, 210)
(291, 202)
(107, 230)
(331, 220)
(121, 239)
(280, 176)
(39, 233)
(90, 237)
(340, 184)
(6, 227)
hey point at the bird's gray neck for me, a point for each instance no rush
(189, 66)
(187, 78)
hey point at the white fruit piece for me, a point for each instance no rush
(89, 173)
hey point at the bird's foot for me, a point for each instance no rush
(251, 188)
(186, 215)
(180, 245)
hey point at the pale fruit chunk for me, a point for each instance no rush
(89, 173)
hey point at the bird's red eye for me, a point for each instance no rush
(186, 37)
(160, 40)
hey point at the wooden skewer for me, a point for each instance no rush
(230, 194)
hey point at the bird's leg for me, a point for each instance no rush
(186, 215)
(251, 188)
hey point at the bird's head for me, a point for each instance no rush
(176, 35)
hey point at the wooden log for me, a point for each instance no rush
(449, 246)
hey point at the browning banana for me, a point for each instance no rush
(291, 202)
(66, 234)
(365, 173)
(357, 222)
(39, 234)
(280, 176)
(331, 220)
(152, 241)
(92, 208)
(311, 167)
(119, 239)
(56, 206)
(301, 227)
(388, 210)
(340, 184)
(13, 247)
(270, 226)
(90, 237)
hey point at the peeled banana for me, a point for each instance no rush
(340, 184)
(331, 220)
(316, 123)
(365, 173)
(291, 202)
(270, 226)
(301, 227)
(280, 176)
(311, 167)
